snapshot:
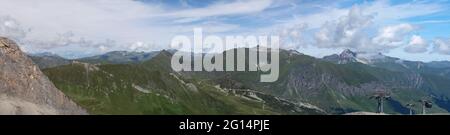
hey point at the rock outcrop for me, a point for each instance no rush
(24, 89)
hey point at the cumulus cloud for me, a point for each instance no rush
(382, 11)
(9, 27)
(141, 46)
(393, 36)
(347, 32)
(416, 45)
(354, 31)
(441, 46)
(293, 37)
(88, 24)
(54, 23)
(103, 25)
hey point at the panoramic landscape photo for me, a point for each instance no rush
(224, 57)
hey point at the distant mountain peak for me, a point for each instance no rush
(439, 64)
(166, 52)
(348, 53)
(120, 57)
(48, 60)
(294, 52)
(45, 54)
(347, 56)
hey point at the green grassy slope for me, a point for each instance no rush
(151, 87)
(148, 88)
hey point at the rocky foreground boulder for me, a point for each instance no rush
(24, 89)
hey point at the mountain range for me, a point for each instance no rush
(144, 83)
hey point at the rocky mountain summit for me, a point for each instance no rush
(24, 89)
(347, 56)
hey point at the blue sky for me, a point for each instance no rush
(412, 30)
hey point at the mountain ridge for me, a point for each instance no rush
(25, 89)
(332, 87)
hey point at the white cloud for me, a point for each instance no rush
(42, 25)
(441, 46)
(382, 11)
(103, 48)
(293, 37)
(383, 18)
(119, 24)
(416, 45)
(90, 21)
(347, 32)
(354, 31)
(9, 27)
(316, 20)
(220, 9)
(207, 26)
(393, 36)
(387, 12)
(433, 21)
(141, 46)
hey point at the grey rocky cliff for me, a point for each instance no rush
(24, 89)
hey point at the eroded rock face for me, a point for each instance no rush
(24, 89)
